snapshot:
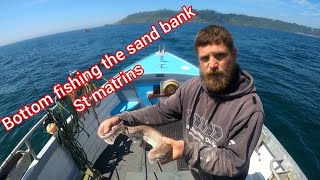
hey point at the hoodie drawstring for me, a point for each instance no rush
(215, 110)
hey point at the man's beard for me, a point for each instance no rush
(219, 81)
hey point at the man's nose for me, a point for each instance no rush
(213, 63)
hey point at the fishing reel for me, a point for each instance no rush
(50, 125)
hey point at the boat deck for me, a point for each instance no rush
(126, 160)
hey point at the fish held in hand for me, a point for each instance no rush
(160, 151)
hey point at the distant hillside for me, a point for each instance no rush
(214, 17)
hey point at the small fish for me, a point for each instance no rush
(160, 151)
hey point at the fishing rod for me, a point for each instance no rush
(36, 90)
(50, 118)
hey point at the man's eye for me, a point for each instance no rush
(204, 58)
(220, 56)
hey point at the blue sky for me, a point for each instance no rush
(24, 19)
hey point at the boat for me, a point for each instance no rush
(124, 159)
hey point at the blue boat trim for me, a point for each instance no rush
(124, 106)
(165, 63)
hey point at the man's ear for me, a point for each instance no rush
(235, 54)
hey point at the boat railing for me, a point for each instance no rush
(282, 165)
(278, 175)
(24, 141)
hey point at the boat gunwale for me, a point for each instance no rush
(23, 141)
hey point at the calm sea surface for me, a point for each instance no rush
(285, 67)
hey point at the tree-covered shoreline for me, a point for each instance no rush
(214, 17)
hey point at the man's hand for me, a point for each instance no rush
(177, 148)
(107, 124)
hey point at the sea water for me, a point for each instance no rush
(285, 67)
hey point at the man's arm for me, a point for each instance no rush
(231, 159)
(165, 111)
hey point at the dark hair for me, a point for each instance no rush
(213, 34)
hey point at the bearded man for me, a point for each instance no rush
(221, 112)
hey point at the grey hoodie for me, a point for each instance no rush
(220, 130)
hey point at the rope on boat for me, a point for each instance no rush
(69, 131)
